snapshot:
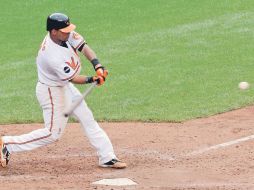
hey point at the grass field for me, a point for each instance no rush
(168, 60)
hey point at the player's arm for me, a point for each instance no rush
(82, 79)
(91, 56)
(78, 43)
(87, 52)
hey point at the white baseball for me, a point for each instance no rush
(244, 85)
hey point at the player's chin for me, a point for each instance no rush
(65, 39)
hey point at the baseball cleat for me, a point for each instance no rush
(114, 163)
(5, 155)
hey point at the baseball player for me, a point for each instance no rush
(58, 66)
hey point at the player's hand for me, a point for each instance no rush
(99, 80)
(102, 71)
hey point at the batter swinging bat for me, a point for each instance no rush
(69, 110)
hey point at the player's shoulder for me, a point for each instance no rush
(75, 39)
(75, 36)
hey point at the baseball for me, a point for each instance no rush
(243, 85)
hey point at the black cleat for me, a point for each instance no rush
(114, 163)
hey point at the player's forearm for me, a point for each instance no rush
(88, 53)
(79, 79)
(91, 56)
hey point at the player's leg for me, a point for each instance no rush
(51, 101)
(96, 135)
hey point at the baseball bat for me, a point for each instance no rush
(70, 109)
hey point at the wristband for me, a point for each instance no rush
(88, 80)
(96, 64)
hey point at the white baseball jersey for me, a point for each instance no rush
(56, 64)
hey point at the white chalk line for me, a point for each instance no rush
(163, 156)
(222, 145)
(167, 156)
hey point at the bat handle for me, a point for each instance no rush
(75, 104)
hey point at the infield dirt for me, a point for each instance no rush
(156, 154)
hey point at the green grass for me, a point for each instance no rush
(168, 60)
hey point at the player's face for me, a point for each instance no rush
(62, 36)
(58, 37)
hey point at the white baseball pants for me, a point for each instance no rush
(53, 101)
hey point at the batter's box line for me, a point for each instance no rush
(218, 146)
(162, 156)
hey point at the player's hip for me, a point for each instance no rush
(57, 95)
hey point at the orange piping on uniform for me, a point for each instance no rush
(28, 141)
(52, 111)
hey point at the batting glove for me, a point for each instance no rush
(101, 71)
(98, 79)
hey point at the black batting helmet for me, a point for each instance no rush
(59, 21)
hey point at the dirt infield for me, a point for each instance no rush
(209, 153)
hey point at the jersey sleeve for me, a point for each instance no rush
(76, 40)
(66, 72)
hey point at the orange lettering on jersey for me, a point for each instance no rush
(72, 64)
(76, 36)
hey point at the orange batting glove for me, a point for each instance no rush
(101, 71)
(99, 80)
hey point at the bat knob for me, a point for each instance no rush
(66, 115)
